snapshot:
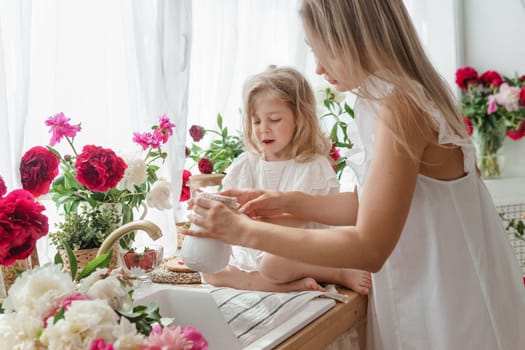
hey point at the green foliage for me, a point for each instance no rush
(341, 114)
(221, 151)
(143, 317)
(88, 228)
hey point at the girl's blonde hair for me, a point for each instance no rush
(376, 38)
(292, 88)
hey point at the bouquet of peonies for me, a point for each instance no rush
(97, 190)
(494, 107)
(48, 308)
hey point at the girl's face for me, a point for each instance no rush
(273, 125)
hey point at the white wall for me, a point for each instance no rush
(494, 39)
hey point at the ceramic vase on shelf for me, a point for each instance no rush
(489, 146)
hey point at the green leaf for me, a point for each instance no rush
(101, 261)
(219, 121)
(73, 265)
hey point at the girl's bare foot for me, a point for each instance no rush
(302, 284)
(357, 280)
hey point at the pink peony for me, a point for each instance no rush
(21, 225)
(164, 130)
(508, 96)
(466, 76)
(60, 127)
(38, 168)
(3, 187)
(166, 338)
(147, 139)
(100, 344)
(491, 106)
(205, 166)
(196, 338)
(99, 169)
(196, 133)
(64, 304)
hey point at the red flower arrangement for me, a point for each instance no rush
(97, 176)
(21, 224)
(494, 107)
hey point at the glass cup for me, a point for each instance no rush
(141, 260)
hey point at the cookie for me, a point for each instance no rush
(177, 265)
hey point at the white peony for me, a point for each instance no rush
(127, 336)
(111, 290)
(135, 174)
(19, 331)
(84, 321)
(159, 196)
(39, 290)
(90, 280)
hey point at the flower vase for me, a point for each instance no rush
(489, 142)
(8, 274)
(84, 256)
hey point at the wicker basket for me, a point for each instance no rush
(84, 256)
(10, 273)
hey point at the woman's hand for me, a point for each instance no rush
(215, 220)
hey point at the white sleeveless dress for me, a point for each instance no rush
(315, 176)
(452, 281)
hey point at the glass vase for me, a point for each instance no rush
(489, 146)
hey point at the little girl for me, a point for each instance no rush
(285, 151)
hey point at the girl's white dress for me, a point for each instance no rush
(453, 281)
(251, 171)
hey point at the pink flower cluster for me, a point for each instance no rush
(491, 93)
(172, 338)
(159, 136)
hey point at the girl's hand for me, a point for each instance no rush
(267, 204)
(243, 196)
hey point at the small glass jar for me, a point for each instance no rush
(206, 254)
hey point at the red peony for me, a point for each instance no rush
(38, 168)
(99, 169)
(185, 190)
(205, 166)
(466, 75)
(522, 96)
(21, 224)
(468, 125)
(3, 187)
(491, 78)
(518, 133)
(196, 133)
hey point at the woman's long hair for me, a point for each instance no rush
(376, 38)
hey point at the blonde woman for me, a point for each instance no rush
(285, 151)
(444, 274)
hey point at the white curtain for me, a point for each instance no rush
(439, 28)
(114, 66)
(15, 34)
(233, 39)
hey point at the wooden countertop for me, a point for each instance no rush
(336, 321)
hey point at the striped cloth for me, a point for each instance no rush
(252, 314)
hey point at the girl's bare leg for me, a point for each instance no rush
(235, 278)
(281, 270)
